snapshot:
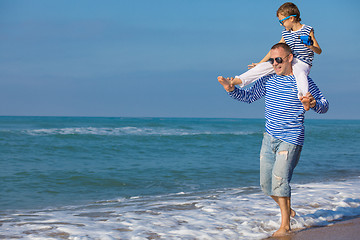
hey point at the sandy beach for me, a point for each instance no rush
(344, 230)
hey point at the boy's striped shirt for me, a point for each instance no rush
(300, 51)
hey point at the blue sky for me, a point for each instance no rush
(161, 58)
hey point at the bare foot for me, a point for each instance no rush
(281, 232)
(292, 213)
(223, 80)
(227, 83)
(305, 102)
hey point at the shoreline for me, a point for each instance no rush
(347, 229)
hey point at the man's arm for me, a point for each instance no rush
(317, 101)
(250, 95)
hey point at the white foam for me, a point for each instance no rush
(226, 214)
(140, 131)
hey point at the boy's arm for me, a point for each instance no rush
(266, 58)
(315, 47)
(238, 81)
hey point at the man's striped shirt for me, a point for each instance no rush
(300, 51)
(284, 113)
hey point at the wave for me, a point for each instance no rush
(134, 131)
(240, 213)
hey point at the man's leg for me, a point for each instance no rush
(267, 160)
(284, 204)
(292, 212)
(287, 157)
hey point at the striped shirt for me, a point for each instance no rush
(284, 113)
(300, 51)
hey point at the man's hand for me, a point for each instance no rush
(312, 100)
(308, 101)
(227, 83)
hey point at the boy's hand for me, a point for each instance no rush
(252, 65)
(227, 83)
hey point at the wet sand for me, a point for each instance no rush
(344, 230)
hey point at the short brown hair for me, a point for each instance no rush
(283, 46)
(288, 9)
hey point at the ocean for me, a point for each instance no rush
(165, 178)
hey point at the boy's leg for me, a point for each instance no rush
(301, 71)
(250, 76)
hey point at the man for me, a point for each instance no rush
(284, 136)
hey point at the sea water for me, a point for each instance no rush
(165, 178)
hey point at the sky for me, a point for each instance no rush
(161, 58)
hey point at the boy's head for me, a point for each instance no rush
(288, 9)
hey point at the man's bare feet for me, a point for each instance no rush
(292, 213)
(281, 232)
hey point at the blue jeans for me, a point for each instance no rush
(278, 160)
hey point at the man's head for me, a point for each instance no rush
(281, 58)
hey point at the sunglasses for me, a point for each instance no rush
(282, 20)
(278, 59)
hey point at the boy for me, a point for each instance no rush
(289, 17)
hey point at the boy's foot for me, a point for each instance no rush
(222, 80)
(305, 102)
(227, 83)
